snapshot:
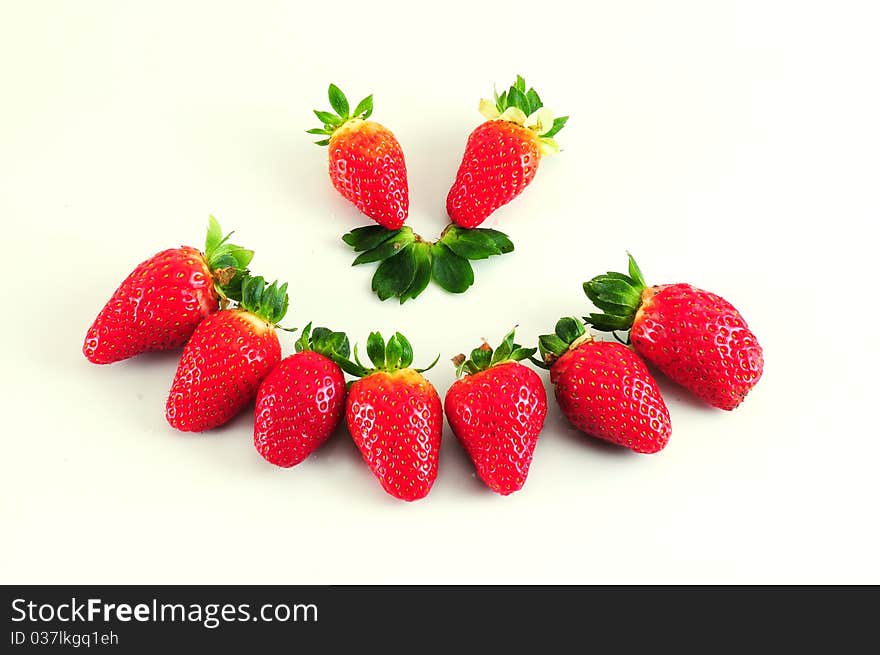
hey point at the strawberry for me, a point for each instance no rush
(227, 358)
(395, 417)
(697, 339)
(497, 411)
(604, 389)
(502, 155)
(160, 303)
(302, 400)
(366, 161)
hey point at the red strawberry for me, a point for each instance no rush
(502, 155)
(301, 402)
(160, 303)
(696, 338)
(497, 411)
(366, 161)
(604, 389)
(395, 418)
(227, 358)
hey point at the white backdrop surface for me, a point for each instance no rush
(732, 145)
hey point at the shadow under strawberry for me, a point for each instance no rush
(561, 427)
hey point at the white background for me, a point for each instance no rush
(730, 145)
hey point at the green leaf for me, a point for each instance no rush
(269, 303)
(430, 366)
(506, 347)
(406, 351)
(320, 335)
(477, 243)
(617, 310)
(502, 102)
(252, 291)
(214, 237)
(619, 296)
(502, 352)
(482, 357)
(349, 366)
(376, 349)
(502, 242)
(540, 364)
(621, 276)
(356, 359)
(470, 244)
(367, 238)
(338, 101)
(277, 304)
(604, 289)
(339, 344)
(534, 100)
(635, 272)
(520, 354)
(520, 84)
(609, 322)
(451, 272)
(242, 256)
(516, 98)
(317, 130)
(221, 261)
(393, 352)
(550, 343)
(328, 343)
(327, 118)
(558, 124)
(229, 255)
(568, 329)
(422, 257)
(228, 262)
(323, 142)
(232, 290)
(304, 342)
(387, 248)
(394, 274)
(364, 108)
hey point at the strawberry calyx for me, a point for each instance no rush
(484, 357)
(343, 115)
(408, 262)
(619, 296)
(525, 108)
(266, 302)
(395, 355)
(568, 334)
(228, 262)
(326, 342)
